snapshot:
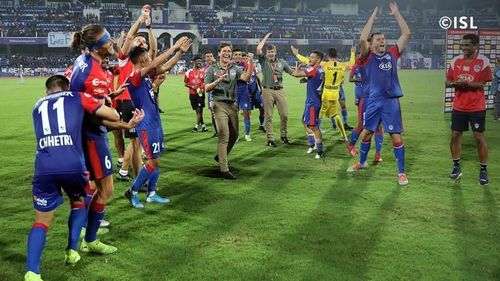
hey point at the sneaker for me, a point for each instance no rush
(71, 257)
(136, 203)
(157, 199)
(483, 178)
(320, 155)
(248, 138)
(100, 231)
(352, 150)
(105, 223)
(204, 129)
(262, 128)
(347, 127)
(310, 150)
(378, 158)
(97, 247)
(356, 167)
(228, 175)
(285, 140)
(271, 143)
(402, 179)
(194, 130)
(125, 178)
(31, 276)
(216, 158)
(456, 173)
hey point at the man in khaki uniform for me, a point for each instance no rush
(273, 93)
(220, 79)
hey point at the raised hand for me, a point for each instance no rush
(147, 20)
(394, 8)
(120, 89)
(180, 41)
(159, 79)
(295, 51)
(374, 14)
(353, 49)
(186, 45)
(146, 10)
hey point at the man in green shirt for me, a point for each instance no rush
(220, 79)
(272, 92)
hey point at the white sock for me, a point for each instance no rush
(152, 193)
(123, 172)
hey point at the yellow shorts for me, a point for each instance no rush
(329, 104)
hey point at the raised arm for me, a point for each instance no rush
(153, 45)
(363, 38)
(298, 71)
(184, 46)
(300, 57)
(405, 30)
(262, 43)
(121, 39)
(352, 58)
(130, 35)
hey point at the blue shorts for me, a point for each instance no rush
(311, 115)
(385, 110)
(47, 193)
(244, 102)
(361, 109)
(151, 140)
(98, 157)
(341, 94)
(256, 98)
(358, 93)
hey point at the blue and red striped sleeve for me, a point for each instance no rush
(89, 103)
(135, 78)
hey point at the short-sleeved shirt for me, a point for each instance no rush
(381, 73)
(57, 120)
(226, 89)
(89, 77)
(272, 72)
(315, 82)
(475, 70)
(126, 67)
(194, 77)
(143, 97)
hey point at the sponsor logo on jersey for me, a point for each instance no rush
(97, 82)
(466, 77)
(385, 66)
(477, 68)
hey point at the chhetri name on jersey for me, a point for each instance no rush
(57, 140)
(53, 96)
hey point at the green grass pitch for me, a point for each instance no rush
(288, 216)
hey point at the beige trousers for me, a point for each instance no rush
(278, 98)
(226, 119)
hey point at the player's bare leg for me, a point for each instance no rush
(119, 145)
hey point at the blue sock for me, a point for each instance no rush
(354, 137)
(363, 151)
(86, 203)
(379, 140)
(311, 140)
(144, 174)
(36, 243)
(153, 180)
(247, 126)
(319, 145)
(96, 213)
(334, 125)
(262, 118)
(344, 115)
(77, 217)
(399, 153)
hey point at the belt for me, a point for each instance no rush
(331, 87)
(274, 88)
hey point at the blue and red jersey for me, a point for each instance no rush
(380, 72)
(315, 82)
(89, 77)
(57, 120)
(253, 85)
(241, 85)
(143, 97)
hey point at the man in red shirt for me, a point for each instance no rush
(468, 74)
(194, 81)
